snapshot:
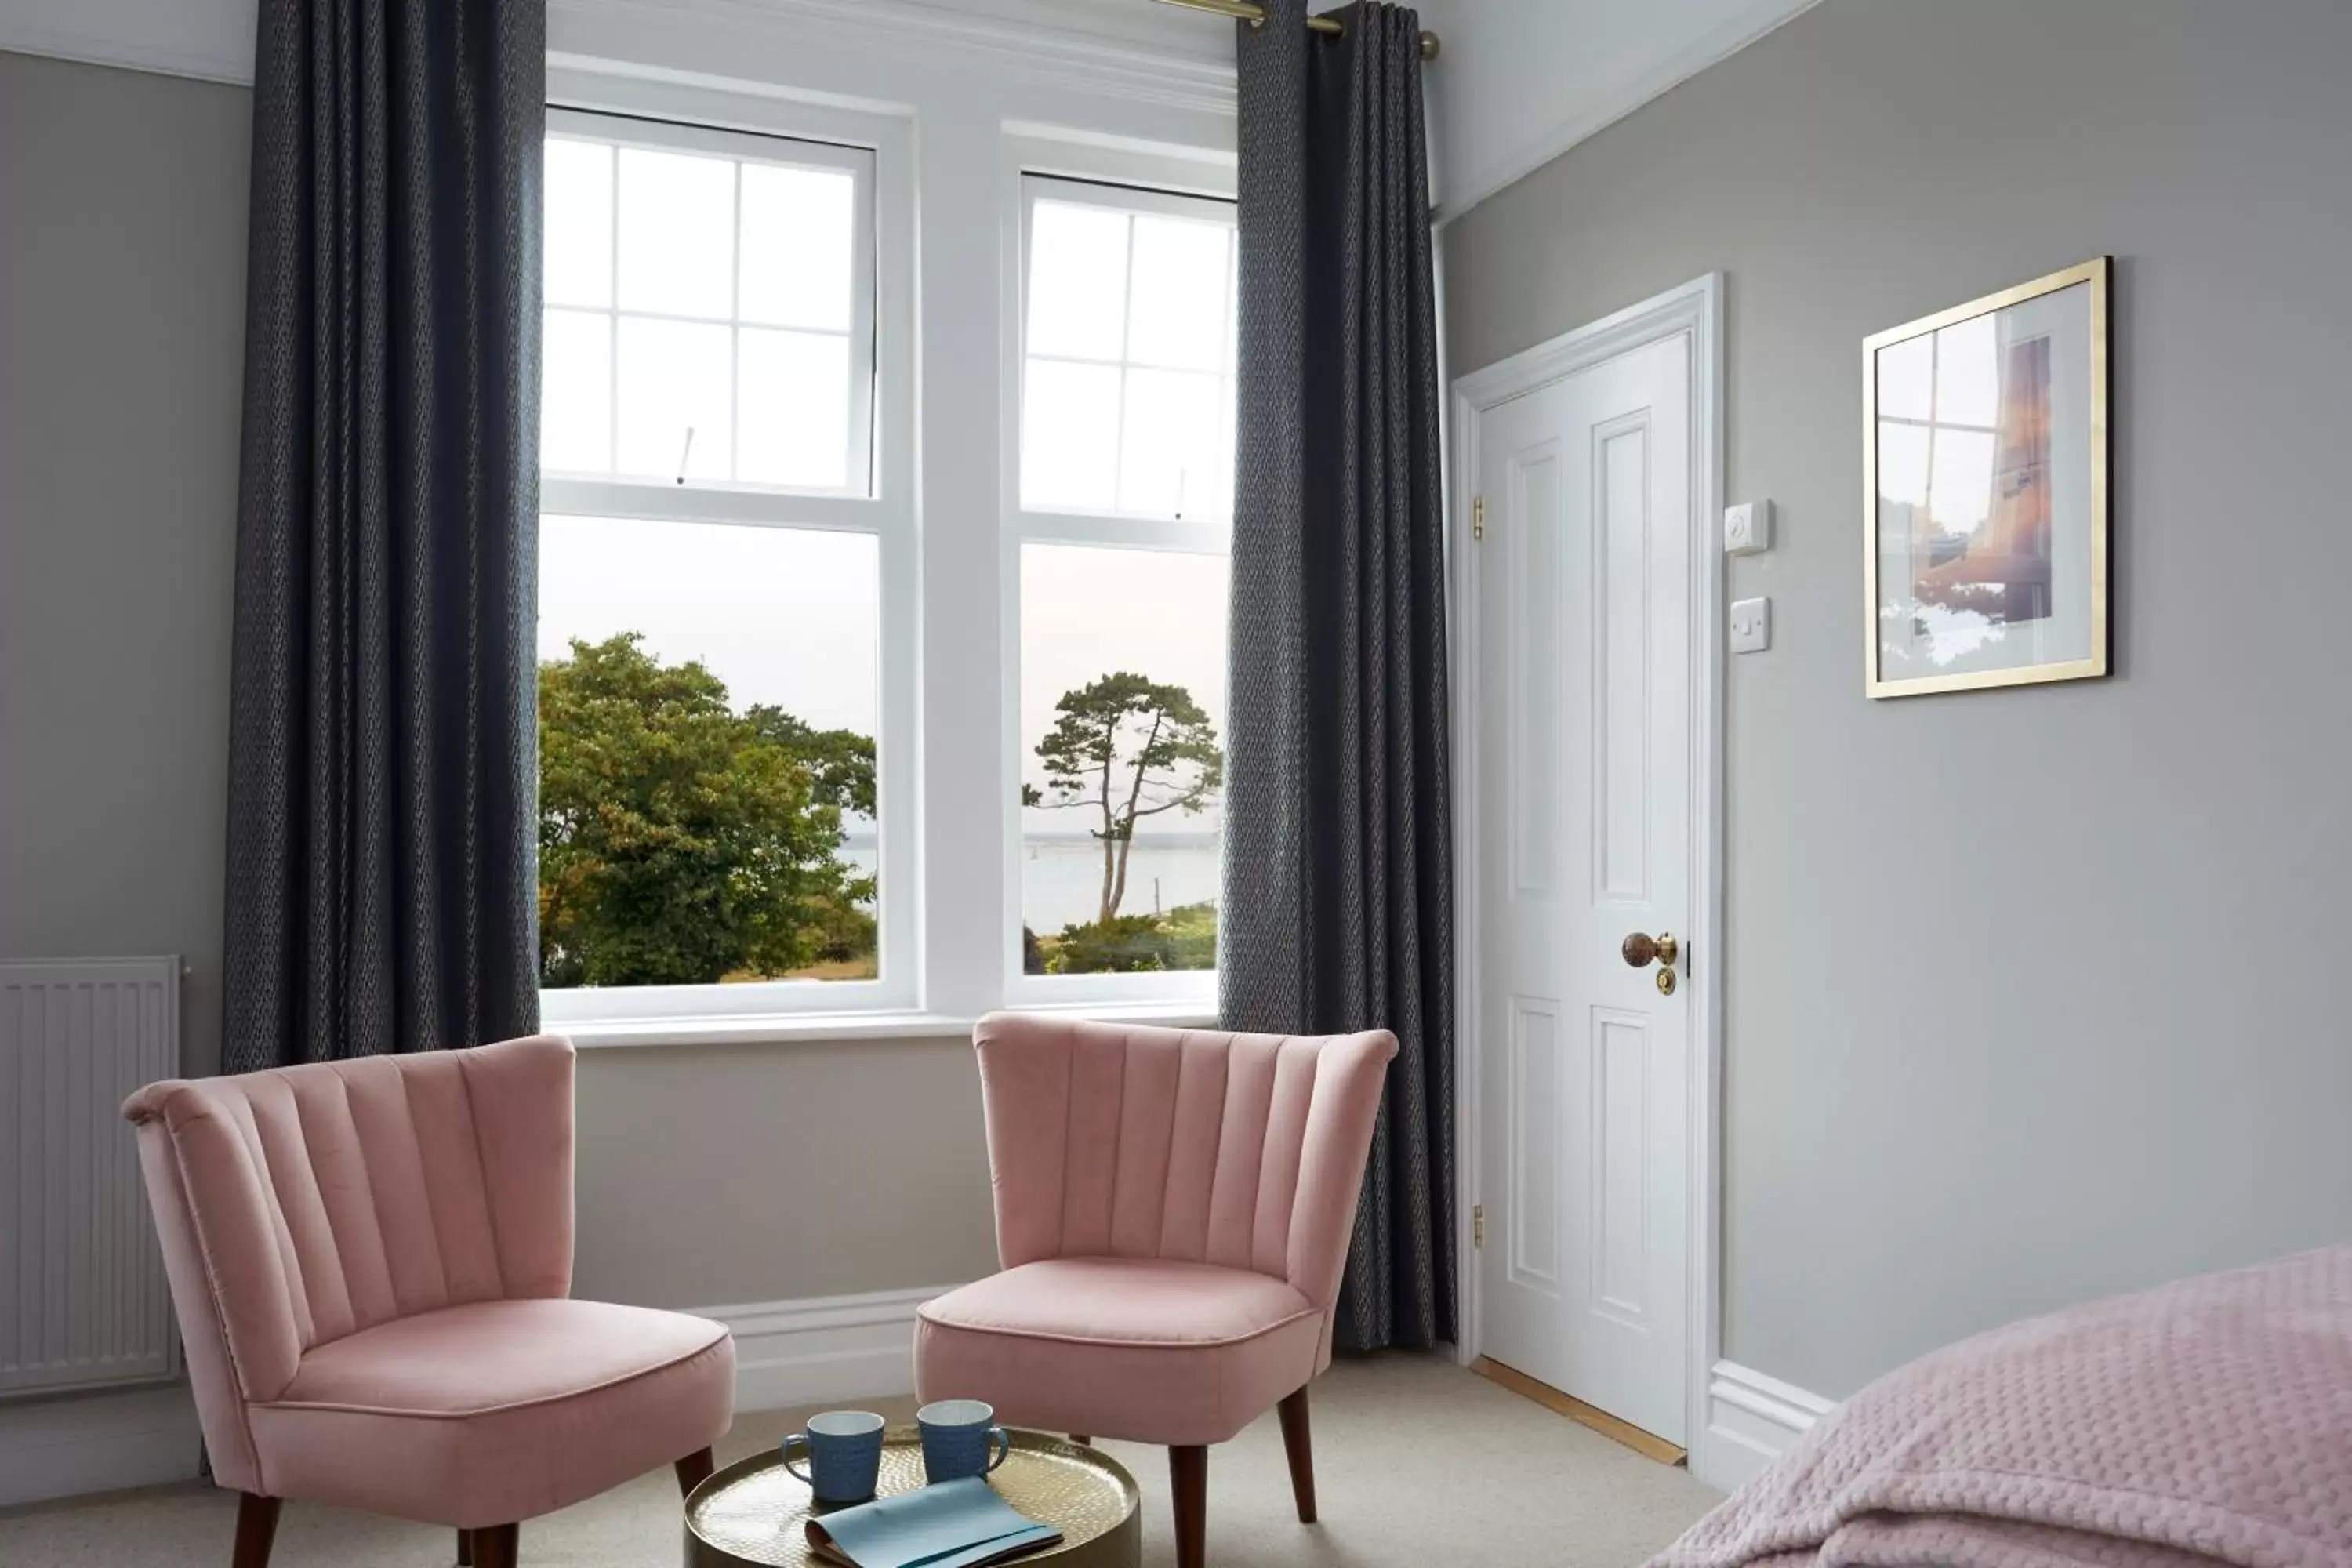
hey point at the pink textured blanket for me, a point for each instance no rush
(2208, 1421)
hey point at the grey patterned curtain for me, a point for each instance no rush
(1338, 909)
(383, 764)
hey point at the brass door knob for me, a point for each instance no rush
(1641, 947)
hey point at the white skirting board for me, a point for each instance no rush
(98, 1443)
(1751, 1419)
(824, 1347)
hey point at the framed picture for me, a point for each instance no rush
(1985, 490)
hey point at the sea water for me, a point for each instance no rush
(1061, 876)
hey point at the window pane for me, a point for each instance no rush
(1112, 643)
(1172, 461)
(1078, 281)
(675, 400)
(697, 256)
(708, 703)
(678, 233)
(1070, 428)
(793, 408)
(1967, 386)
(575, 404)
(1176, 310)
(1150, 292)
(1906, 379)
(578, 243)
(1903, 463)
(1959, 489)
(797, 248)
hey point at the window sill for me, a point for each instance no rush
(760, 1029)
(789, 1028)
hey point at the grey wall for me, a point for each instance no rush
(707, 1176)
(712, 1176)
(121, 336)
(2032, 994)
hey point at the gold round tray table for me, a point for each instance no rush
(755, 1511)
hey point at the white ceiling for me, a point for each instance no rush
(1519, 81)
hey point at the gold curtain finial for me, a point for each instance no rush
(1252, 12)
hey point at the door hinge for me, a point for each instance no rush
(1477, 517)
(1477, 1225)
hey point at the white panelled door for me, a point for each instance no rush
(1583, 774)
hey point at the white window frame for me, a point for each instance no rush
(636, 131)
(1130, 179)
(1088, 527)
(699, 117)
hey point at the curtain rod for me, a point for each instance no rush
(1253, 13)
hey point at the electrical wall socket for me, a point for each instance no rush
(1747, 527)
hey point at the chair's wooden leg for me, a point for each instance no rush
(495, 1545)
(693, 1470)
(257, 1528)
(1188, 1475)
(1301, 1449)
(464, 1549)
(1081, 1439)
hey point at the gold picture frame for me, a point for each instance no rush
(2012, 518)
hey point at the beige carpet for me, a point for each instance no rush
(1416, 1462)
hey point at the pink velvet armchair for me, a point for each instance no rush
(372, 1262)
(1173, 1214)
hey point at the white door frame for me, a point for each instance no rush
(1696, 308)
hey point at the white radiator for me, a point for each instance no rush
(83, 1303)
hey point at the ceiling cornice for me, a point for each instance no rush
(226, 57)
(1048, 52)
(1046, 41)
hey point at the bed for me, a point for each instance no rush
(2204, 1422)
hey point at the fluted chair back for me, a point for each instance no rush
(1242, 1150)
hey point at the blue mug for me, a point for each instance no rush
(844, 1455)
(961, 1438)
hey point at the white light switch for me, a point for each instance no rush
(1747, 527)
(1751, 626)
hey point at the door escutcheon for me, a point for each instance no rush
(1641, 947)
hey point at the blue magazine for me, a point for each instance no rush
(955, 1524)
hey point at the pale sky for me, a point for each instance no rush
(1087, 612)
(792, 616)
(785, 616)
